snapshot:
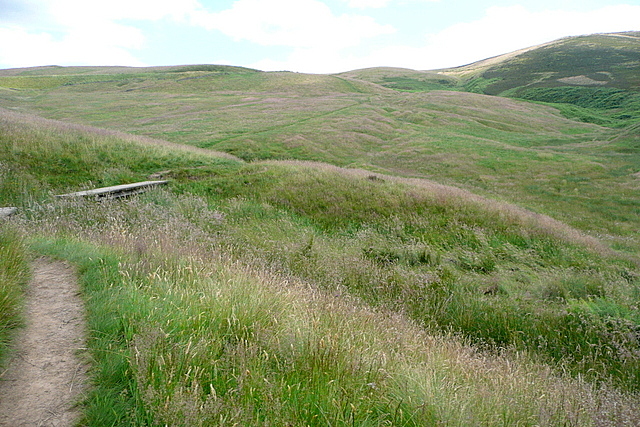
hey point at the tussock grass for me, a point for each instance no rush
(502, 148)
(41, 156)
(184, 334)
(301, 293)
(452, 261)
(48, 128)
(458, 199)
(14, 273)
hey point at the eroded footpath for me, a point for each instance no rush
(46, 376)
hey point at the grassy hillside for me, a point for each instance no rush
(512, 150)
(406, 80)
(592, 78)
(378, 247)
(601, 60)
(598, 75)
(270, 292)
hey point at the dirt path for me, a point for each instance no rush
(45, 376)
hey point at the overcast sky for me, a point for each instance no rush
(315, 36)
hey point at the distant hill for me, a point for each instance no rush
(592, 61)
(98, 70)
(591, 78)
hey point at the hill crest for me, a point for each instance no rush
(606, 60)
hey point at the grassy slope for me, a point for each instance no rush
(239, 293)
(609, 60)
(447, 259)
(503, 148)
(590, 78)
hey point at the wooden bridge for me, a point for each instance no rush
(115, 191)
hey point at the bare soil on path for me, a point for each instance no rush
(46, 377)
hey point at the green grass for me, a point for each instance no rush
(594, 75)
(406, 238)
(603, 106)
(39, 158)
(188, 334)
(587, 97)
(435, 253)
(114, 398)
(606, 60)
(14, 273)
(501, 148)
(409, 84)
(278, 291)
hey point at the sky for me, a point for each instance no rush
(309, 36)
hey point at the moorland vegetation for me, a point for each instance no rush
(378, 247)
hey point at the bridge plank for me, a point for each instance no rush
(116, 190)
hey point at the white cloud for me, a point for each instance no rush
(314, 60)
(74, 11)
(85, 33)
(292, 23)
(376, 4)
(500, 30)
(506, 29)
(362, 4)
(80, 32)
(40, 48)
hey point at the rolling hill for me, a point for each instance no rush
(537, 155)
(376, 247)
(599, 60)
(599, 71)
